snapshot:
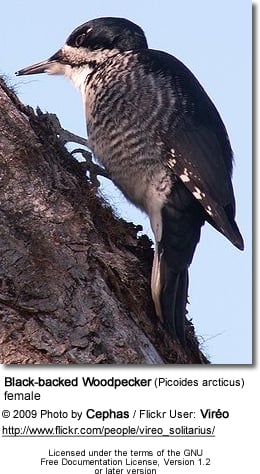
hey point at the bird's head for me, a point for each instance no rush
(88, 44)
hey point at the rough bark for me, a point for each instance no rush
(74, 278)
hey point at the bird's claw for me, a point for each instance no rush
(90, 167)
(63, 135)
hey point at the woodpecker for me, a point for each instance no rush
(162, 141)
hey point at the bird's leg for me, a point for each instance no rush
(89, 166)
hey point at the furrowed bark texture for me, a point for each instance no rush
(74, 278)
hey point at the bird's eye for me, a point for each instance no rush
(80, 39)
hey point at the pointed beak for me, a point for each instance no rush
(34, 69)
(43, 66)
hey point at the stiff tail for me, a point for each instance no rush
(182, 218)
(170, 293)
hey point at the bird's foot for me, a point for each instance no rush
(90, 167)
(64, 136)
(52, 121)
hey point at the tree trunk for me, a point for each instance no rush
(74, 279)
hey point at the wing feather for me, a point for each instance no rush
(196, 158)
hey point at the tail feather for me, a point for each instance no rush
(170, 293)
(156, 286)
(173, 302)
(182, 218)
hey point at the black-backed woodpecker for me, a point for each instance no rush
(162, 141)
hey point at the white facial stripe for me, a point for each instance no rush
(76, 55)
(84, 55)
(56, 68)
(78, 63)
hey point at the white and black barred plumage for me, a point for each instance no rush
(153, 127)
